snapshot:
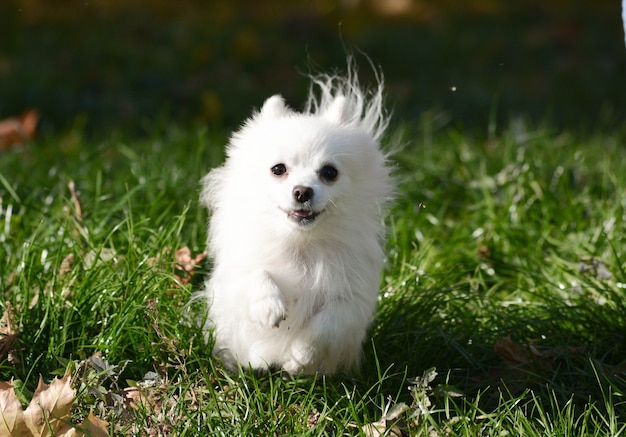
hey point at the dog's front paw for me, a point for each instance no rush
(269, 311)
(302, 359)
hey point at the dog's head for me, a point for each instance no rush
(305, 168)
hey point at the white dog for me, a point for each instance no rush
(296, 231)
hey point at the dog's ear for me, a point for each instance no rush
(274, 107)
(337, 111)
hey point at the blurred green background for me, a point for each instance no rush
(128, 63)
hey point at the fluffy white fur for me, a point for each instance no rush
(296, 245)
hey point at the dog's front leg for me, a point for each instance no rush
(267, 307)
(331, 340)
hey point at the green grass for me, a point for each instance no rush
(518, 233)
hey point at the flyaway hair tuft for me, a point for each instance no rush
(362, 108)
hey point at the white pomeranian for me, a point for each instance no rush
(296, 231)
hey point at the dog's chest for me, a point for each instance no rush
(309, 280)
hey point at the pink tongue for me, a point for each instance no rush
(302, 212)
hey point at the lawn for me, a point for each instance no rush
(503, 301)
(501, 309)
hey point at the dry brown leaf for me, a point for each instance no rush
(65, 269)
(186, 264)
(11, 413)
(314, 417)
(391, 424)
(95, 258)
(15, 131)
(94, 427)
(7, 323)
(56, 397)
(132, 397)
(511, 352)
(47, 414)
(519, 355)
(49, 404)
(79, 228)
(381, 428)
(66, 265)
(78, 209)
(8, 331)
(29, 120)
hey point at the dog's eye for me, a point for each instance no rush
(279, 170)
(328, 173)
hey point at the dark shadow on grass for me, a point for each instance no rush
(436, 328)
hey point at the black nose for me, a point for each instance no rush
(302, 194)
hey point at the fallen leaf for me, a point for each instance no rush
(66, 290)
(16, 131)
(314, 417)
(381, 428)
(8, 331)
(56, 397)
(48, 413)
(11, 413)
(186, 264)
(66, 265)
(519, 355)
(512, 353)
(132, 397)
(50, 406)
(595, 267)
(78, 209)
(94, 426)
(391, 424)
(65, 269)
(76, 215)
(94, 258)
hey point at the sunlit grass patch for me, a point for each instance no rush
(503, 292)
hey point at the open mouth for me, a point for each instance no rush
(303, 217)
